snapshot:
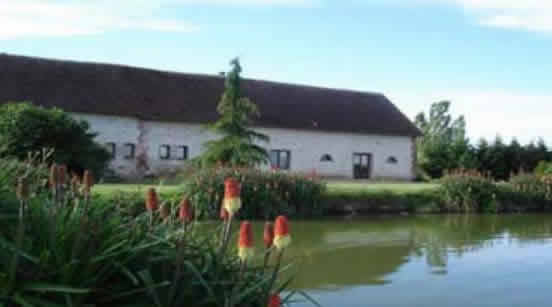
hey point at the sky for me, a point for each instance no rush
(490, 58)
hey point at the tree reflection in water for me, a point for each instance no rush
(334, 254)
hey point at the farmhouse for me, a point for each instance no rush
(152, 121)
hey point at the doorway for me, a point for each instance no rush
(362, 165)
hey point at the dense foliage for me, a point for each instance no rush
(503, 160)
(71, 250)
(236, 145)
(543, 168)
(27, 128)
(533, 190)
(468, 191)
(264, 194)
(444, 146)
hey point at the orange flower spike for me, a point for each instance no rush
(185, 213)
(245, 243)
(232, 200)
(152, 202)
(282, 238)
(274, 301)
(268, 235)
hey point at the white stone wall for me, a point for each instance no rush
(307, 147)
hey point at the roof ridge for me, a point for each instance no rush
(193, 74)
(123, 90)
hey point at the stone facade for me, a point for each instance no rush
(143, 147)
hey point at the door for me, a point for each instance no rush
(362, 165)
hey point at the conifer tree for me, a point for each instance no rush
(237, 143)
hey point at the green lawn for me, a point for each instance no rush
(334, 188)
(352, 188)
(106, 189)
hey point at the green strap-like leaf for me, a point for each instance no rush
(44, 287)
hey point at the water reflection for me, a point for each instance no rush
(342, 254)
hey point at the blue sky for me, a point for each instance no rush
(491, 58)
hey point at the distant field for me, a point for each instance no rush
(334, 188)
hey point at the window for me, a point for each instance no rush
(130, 151)
(165, 152)
(392, 160)
(182, 153)
(111, 148)
(326, 158)
(280, 159)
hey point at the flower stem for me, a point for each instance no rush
(276, 269)
(18, 245)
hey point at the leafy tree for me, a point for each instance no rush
(25, 128)
(237, 146)
(543, 168)
(444, 144)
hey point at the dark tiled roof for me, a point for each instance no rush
(168, 96)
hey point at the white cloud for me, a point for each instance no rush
(250, 2)
(42, 18)
(45, 18)
(529, 15)
(490, 112)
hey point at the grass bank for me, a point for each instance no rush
(334, 188)
(363, 197)
(369, 197)
(341, 197)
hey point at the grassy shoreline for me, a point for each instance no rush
(351, 198)
(335, 188)
(340, 197)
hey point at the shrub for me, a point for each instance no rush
(535, 191)
(33, 169)
(264, 194)
(27, 128)
(469, 191)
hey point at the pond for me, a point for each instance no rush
(445, 261)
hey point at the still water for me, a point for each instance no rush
(437, 260)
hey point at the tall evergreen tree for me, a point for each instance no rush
(236, 145)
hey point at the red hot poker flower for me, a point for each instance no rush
(245, 243)
(268, 235)
(274, 301)
(282, 238)
(231, 188)
(152, 202)
(246, 235)
(282, 226)
(185, 213)
(232, 200)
